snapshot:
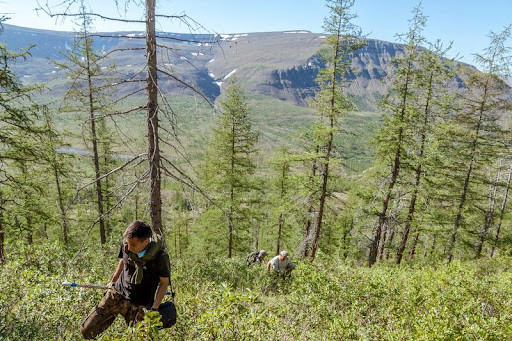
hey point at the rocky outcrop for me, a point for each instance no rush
(367, 79)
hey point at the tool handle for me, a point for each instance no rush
(92, 286)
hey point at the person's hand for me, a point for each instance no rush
(110, 285)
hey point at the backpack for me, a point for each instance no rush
(251, 258)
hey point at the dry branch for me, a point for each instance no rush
(186, 85)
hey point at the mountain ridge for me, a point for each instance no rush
(280, 64)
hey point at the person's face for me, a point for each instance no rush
(282, 257)
(136, 245)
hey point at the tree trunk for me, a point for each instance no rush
(279, 230)
(417, 175)
(390, 242)
(383, 241)
(96, 159)
(256, 233)
(107, 193)
(410, 215)
(385, 203)
(60, 200)
(30, 235)
(394, 175)
(462, 201)
(137, 205)
(2, 229)
(155, 199)
(414, 244)
(489, 216)
(323, 193)
(346, 233)
(230, 231)
(306, 243)
(502, 212)
(2, 242)
(176, 234)
(325, 172)
(28, 216)
(280, 222)
(458, 217)
(231, 189)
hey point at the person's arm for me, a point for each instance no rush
(268, 265)
(160, 293)
(118, 271)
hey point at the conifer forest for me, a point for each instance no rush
(395, 209)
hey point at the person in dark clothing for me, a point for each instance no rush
(256, 257)
(143, 270)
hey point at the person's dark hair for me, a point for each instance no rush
(138, 229)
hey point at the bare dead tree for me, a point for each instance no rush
(153, 106)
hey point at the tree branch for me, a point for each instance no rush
(186, 85)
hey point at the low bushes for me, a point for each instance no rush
(222, 299)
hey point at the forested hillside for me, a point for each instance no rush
(384, 171)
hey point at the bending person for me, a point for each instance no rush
(281, 263)
(256, 257)
(143, 270)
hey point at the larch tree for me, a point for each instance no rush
(156, 106)
(331, 103)
(89, 95)
(393, 138)
(230, 165)
(282, 190)
(481, 132)
(18, 131)
(59, 165)
(432, 76)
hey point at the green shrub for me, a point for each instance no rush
(222, 299)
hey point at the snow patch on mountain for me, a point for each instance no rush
(229, 74)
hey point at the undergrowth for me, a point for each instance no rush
(222, 299)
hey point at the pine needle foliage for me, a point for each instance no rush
(229, 169)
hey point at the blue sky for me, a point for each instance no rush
(465, 22)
